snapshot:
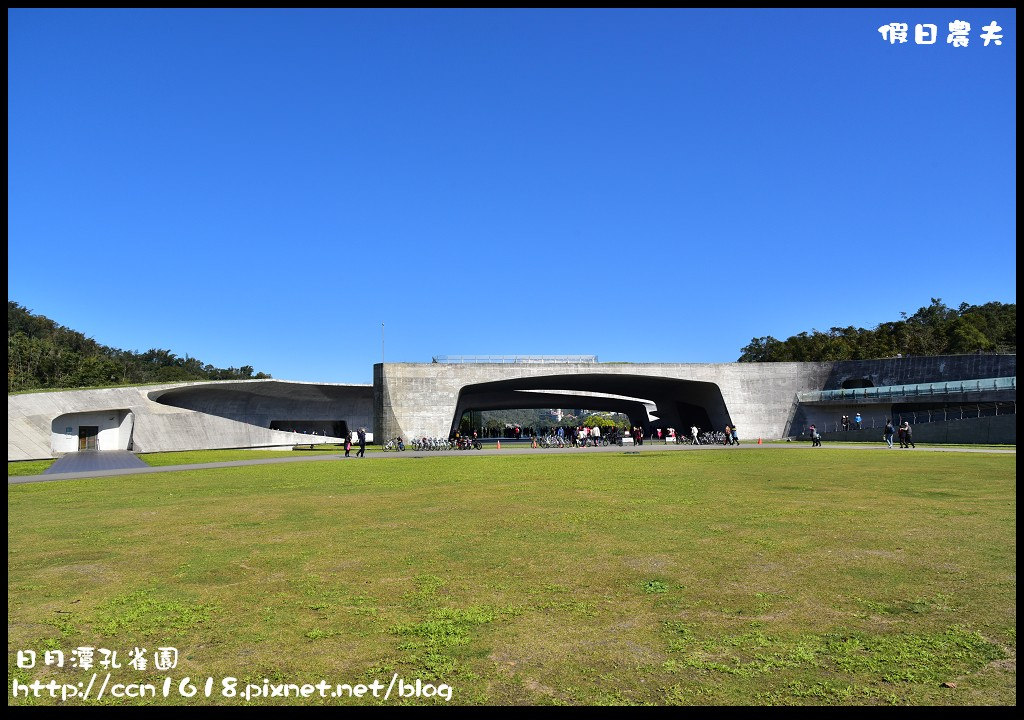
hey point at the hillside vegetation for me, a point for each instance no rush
(42, 354)
(932, 330)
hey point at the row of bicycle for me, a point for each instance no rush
(547, 441)
(705, 438)
(557, 441)
(425, 443)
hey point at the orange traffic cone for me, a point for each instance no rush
(759, 441)
(499, 444)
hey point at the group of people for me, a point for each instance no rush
(857, 422)
(905, 433)
(580, 435)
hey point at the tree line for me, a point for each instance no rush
(932, 330)
(41, 354)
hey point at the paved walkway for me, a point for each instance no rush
(90, 461)
(143, 469)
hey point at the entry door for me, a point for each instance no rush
(88, 436)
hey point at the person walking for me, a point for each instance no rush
(728, 436)
(693, 434)
(596, 435)
(889, 432)
(857, 420)
(902, 432)
(908, 434)
(815, 437)
(735, 436)
(348, 444)
(362, 443)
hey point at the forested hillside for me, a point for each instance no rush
(42, 354)
(932, 330)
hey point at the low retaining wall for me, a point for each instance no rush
(1000, 430)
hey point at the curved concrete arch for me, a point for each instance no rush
(677, 402)
(478, 399)
(417, 399)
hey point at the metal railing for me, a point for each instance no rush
(514, 359)
(916, 390)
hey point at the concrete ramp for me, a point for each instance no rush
(91, 461)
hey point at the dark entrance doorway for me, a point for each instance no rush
(88, 437)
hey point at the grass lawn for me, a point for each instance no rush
(846, 577)
(28, 467)
(192, 457)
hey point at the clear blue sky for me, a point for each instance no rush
(267, 187)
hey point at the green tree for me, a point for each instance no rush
(961, 336)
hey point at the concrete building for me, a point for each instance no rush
(185, 416)
(767, 400)
(761, 399)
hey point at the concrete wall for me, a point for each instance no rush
(1000, 430)
(914, 370)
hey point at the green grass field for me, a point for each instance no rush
(28, 467)
(718, 578)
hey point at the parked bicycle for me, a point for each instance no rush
(395, 445)
(426, 443)
(712, 438)
(553, 441)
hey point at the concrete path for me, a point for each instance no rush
(143, 469)
(90, 461)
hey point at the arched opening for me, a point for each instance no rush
(649, 402)
(97, 430)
